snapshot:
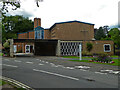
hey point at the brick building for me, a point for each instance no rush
(62, 39)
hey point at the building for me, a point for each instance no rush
(60, 39)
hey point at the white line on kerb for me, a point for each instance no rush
(9, 65)
(56, 74)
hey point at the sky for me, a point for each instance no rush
(98, 12)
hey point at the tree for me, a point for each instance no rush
(15, 24)
(89, 46)
(115, 36)
(14, 3)
(99, 34)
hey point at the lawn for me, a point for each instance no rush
(117, 62)
(87, 57)
(76, 57)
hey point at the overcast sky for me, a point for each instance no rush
(98, 12)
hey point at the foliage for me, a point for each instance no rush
(102, 58)
(15, 24)
(100, 34)
(7, 47)
(15, 4)
(89, 46)
(115, 36)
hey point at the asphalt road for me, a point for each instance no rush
(38, 73)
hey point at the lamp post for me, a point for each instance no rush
(80, 52)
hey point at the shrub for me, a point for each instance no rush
(89, 46)
(102, 58)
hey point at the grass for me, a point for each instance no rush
(76, 57)
(2, 82)
(1, 54)
(117, 62)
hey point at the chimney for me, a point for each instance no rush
(37, 22)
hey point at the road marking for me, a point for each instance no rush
(40, 64)
(69, 77)
(110, 71)
(83, 70)
(37, 59)
(54, 65)
(46, 62)
(100, 73)
(69, 67)
(17, 61)
(6, 59)
(29, 62)
(9, 65)
(82, 67)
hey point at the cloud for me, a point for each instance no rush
(20, 12)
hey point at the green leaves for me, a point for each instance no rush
(99, 34)
(15, 24)
(89, 46)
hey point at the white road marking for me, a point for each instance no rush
(9, 65)
(82, 67)
(110, 71)
(53, 65)
(37, 59)
(17, 61)
(69, 67)
(29, 62)
(46, 62)
(69, 77)
(6, 59)
(100, 73)
(83, 70)
(40, 64)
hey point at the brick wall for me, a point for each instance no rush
(73, 31)
(98, 46)
(47, 34)
(21, 46)
(31, 34)
(23, 36)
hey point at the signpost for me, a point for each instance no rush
(80, 52)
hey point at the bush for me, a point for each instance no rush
(102, 58)
(89, 46)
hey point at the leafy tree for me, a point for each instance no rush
(89, 46)
(115, 36)
(99, 34)
(15, 24)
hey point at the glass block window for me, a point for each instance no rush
(69, 48)
(107, 47)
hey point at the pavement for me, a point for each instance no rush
(58, 72)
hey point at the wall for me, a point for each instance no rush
(23, 35)
(47, 34)
(31, 34)
(98, 47)
(73, 31)
(21, 46)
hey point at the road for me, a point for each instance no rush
(38, 73)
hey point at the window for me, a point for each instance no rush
(107, 48)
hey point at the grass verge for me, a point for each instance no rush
(117, 62)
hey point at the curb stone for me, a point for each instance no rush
(16, 83)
